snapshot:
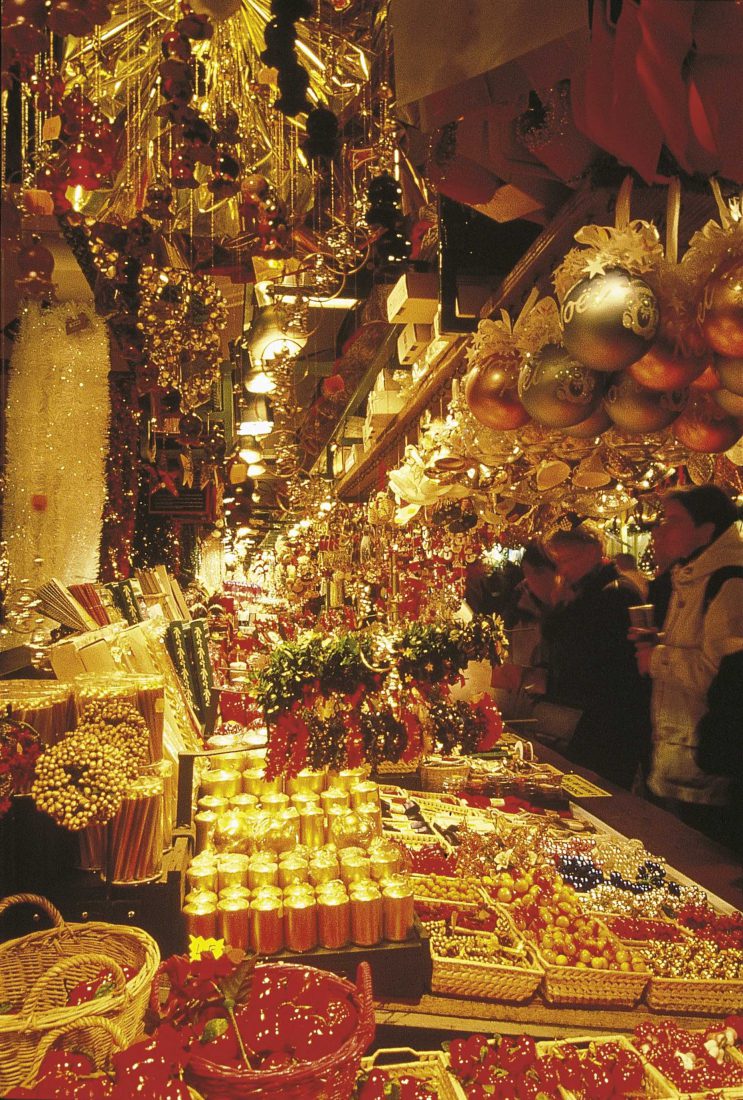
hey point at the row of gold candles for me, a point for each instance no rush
(300, 915)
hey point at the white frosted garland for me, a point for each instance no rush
(56, 444)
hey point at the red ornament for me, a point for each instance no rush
(35, 261)
(490, 392)
(707, 381)
(704, 427)
(661, 369)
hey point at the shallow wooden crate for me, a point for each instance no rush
(430, 1066)
(655, 1084)
(494, 981)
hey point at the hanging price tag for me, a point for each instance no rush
(579, 787)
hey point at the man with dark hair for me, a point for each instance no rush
(703, 625)
(590, 662)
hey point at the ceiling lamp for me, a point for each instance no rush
(268, 337)
(257, 381)
(256, 469)
(250, 451)
(256, 417)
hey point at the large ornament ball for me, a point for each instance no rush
(491, 394)
(218, 10)
(351, 830)
(705, 427)
(707, 381)
(610, 320)
(661, 369)
(721, 311)
(557, 391)
(232, 832)
(731, 402)
(593, 425)
(35, 261)
(633, 408)
(190, 426)
(730, 373)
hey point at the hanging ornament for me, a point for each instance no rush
(662, 369)
(36, 264)
(492, 396)
(633, 408)
(609, 320)
(730, 373)
(704, 426)
(707, 381)
(731, 402)
(721, 311)
(556, 390)
(593, 425)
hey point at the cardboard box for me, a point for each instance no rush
(411, 342)
(414, 298)
(385, 380)
(353, 429)
(385, 403)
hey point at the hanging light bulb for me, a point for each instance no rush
(250, 451)
(255, 469)
(256, 417)
(269, 337)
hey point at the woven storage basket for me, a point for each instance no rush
(435, 774)
(671, 1090)
(97, 1037)
(575, 985)
(710, 998)
(329, 1078)
(655, 1084)
(36, 972)
(487, 981)
(610, 918)
(428, 1065)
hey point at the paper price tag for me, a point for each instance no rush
(579, 787)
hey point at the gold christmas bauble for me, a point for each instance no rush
(730, 373)
(633, 408)
(707, 381)
(661, 369)
(721, 311)
(610, 320)
(593, 425)
(704, 426)
(557, 391)
(490, 392)
(732, 403)
(351, 830)
(218, 10)
(232, 832)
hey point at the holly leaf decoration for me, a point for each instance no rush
(214, 1028)
(237, 985)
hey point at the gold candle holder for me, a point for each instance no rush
(306, 781)
(335, 796)
(212, 802)
(243, 801)
(301, 799)
(254, 782)
(312, 827)
(323, 868)
(355, 868)
(232, 870)
(346, 779)
(371, 811)
(293, 871)
(333, 919)
(262, 871)
(202, 878)
(367, 914)
(266, 925)
(300, 922)
(232, 892)
(233, 921)
(365, 791)
(205, 823)
(220, 782)
(201, 919)
(398, 905)
(274, 801)
(200, 897)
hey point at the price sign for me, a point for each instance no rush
(579, 787)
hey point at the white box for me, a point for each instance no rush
(353, 428)
(385, 403)
(414, 298)
(411, 342)
(385, 380)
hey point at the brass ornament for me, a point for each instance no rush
(705, 427)
(592, 426)
(732, 403)
(633, 408)
(661, 368)
(609, 320)
(730, 373)
(491, 394)
(721, 311)
(556, 390)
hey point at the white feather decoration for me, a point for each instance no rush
(56, 444)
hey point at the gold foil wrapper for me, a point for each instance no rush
(233, 892)
(384, 864)
(312, 827)
(202, 878)
(363, 792)
(323, 868)
(273, 801)
(333, 919)
(300, 922)
(266, 925)
(306, 781)
(201, 919)
(372, 812)
(335, 796)
(262, 871)
(299, 851)
(293, 871)
(233, 922)
(220, 782)
(232, 870)
(274, 892)
(254, 782)
(367, 914)
(299, 890)
(300, 800)
(346, 779)
(399, 907)
(212, 802)
(243, 801)
(200, 897)
(355, 869)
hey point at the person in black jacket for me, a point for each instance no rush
(590, 662)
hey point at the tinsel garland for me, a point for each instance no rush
(122, 467)
(57, 424)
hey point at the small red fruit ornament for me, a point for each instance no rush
(707, 381)
(705, 427)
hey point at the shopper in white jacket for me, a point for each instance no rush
(704, 623)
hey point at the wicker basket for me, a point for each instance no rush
(576, 985)
(710, 998)
(428, 1065)
(97, 1037)
(329, 1078)
(36, 972)
(671, 1090)
(655, 1084)
(435, 774)
(483, 980)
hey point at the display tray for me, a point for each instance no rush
(399, 970)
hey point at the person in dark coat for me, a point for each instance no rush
(590, 661)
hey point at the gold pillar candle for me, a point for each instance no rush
(262, 871)
(398, 904)
(274, 892)
(201, 919)
(266, 925)
(243, 801)
(323, 868)
(234, 892)
(232, 870)
(300, 922)
(333, 919)
(299, 851)
(312, 827)
(274, 801)
(299, 890)
(212, 802)
(254, 782)
(384, 863)
(199, 896)
(220, 782)
(333, 814)
(306, 781)
(350, 852)
(207, 858)
(346, 779)
(371, 811)
(355, 869)
(237, 761)
(205, 823)
(334, 796)
(233, 922)
(293, 870)
(366, 791)
(301, 799)
(202, 878)
(367, 914)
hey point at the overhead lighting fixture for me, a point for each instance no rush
(250, 451)
(267, 337)
(255, 417)
(257, 381)
(255, 469)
